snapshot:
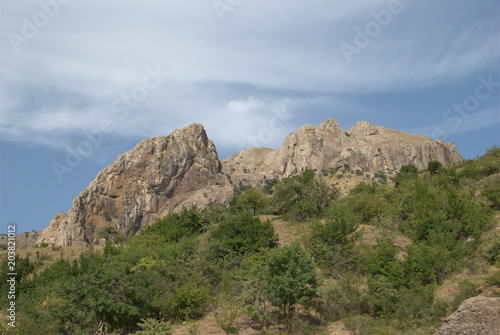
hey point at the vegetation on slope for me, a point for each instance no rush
(225, 261)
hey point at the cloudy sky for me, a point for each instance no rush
(83, 81)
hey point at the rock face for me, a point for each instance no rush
(365, 146)
(475, 316)
(163, 174)
(158, 176)
(23, 240)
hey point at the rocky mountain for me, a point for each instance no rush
(163, 174)
(158, 176)
(365, 146)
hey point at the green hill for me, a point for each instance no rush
(394, 257)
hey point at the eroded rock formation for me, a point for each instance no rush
(163, 174)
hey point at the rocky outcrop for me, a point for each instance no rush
(158, 176)
(365, 146)
(23, 240)
(475, 316)
(165, 174)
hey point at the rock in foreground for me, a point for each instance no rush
(475, 316)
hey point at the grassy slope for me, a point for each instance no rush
(289, 232)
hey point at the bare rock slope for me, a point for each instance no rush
(163, 174)
(475, 316)
(365, 146)
(158, 176)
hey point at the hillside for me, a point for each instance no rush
(396, 255)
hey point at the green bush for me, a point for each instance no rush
(335, 237)
(152, 326)
(467, 289)
(407, 172)
(291, 278)
(340, 300)
(494, 279)
(434, 167)
(303, 196)
(175, 226)
(245, 234)
(491, 192)
(268, 188)
(492, 252)
(253, 199)
(189, 301)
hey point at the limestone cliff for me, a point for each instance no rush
(365, 146)
(158, 176)
(163, 174)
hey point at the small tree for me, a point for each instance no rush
(406, 172)
(337, 235)
(111, 234)
(434, 167)
(253, 199)
(154, 327)
(291, 278)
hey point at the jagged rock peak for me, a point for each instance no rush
(364, 128)
(367, 147)
(156, 177)
(163, 174)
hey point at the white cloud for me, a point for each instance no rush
(230, 75)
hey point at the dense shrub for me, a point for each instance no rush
(245, 234)
(175, 226)
(330, 242)
(407, 172)
(303, 196)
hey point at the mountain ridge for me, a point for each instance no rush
(165, 174)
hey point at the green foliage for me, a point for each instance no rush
(253, 199)
(494, 279)
(303, 196)
(340, 300)
(335, 238)
(175, 226)
(180, 265)
(382, 176)
(492, 252)
(491, 192)
(189, 301)
(244, 234)
(225, 319)
(152, 326)
(268, 188)
(484, 166)
(368, 201)
(434, 167)
(291, 278)
(466, 290)
(111, 234)
(407, 172)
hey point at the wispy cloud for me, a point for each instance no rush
(230, 75)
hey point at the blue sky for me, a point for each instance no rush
(84, 81)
